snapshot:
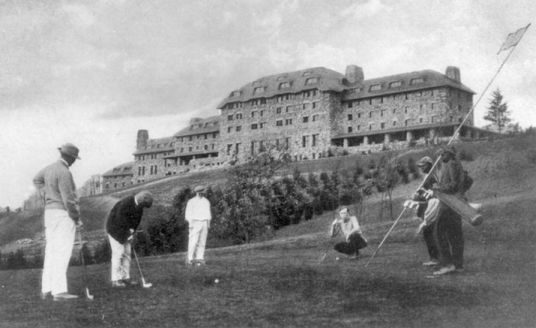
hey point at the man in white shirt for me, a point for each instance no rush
(198, 216)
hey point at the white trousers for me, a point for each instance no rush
(60, 231)
(120, 259)
(197, 239)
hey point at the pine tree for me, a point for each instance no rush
(498, 113)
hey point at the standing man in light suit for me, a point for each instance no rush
(62, 220)
(198, 216)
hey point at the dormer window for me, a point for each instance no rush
(395, 84)
(235, 94)
(418, 80)
(306, 73)
(282, 77)
(375, 87)
(258, 90)
(311, 80)
(284, 85)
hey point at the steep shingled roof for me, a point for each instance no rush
(313, 78)
(203, 126)
(156, 146)
(121, 170)
(402, 83)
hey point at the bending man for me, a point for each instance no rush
(122, 222)
(351, 230)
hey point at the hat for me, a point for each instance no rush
(199, 189)
(70, 150)
(425, 160)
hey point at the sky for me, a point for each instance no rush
(93, 73)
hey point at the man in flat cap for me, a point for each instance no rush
(122, 222)
(198, 216)
(62, 220)
(427, 211)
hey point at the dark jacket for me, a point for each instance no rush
(451, 178)
(125, 215)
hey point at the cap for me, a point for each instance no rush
(199, 189)
(70, 150)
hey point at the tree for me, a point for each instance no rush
(498, 113)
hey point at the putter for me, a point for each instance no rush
(144, 284)
(326, 253)
(88, 295)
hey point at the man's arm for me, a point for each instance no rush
(39, 181)
(452, 185)
(68, 195)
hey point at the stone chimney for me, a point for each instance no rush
(141, 141)
(453, 73)
(354, 74)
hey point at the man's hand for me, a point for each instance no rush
(428, 194)
(131, 231)
(79, 225)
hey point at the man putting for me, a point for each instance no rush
(122, 222)
(62, 220)
(198, 216)
(351, 230)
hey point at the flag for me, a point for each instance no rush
(513, 38)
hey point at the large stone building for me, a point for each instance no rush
(311, 113)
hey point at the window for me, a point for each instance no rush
(305, 119)
(370, 114)
(230, 129)
(237, 148)
(287, 109)
(420, 120)
(394, 123)
(229, 117)
(375, 87)
(382, 112)
(459, 108)
(239, 116)
(311, 80)
(350, 117)
(253, 113)
(254, 126)
(358, 115)
(382, 125)
(350, 105)
(235, 93)
(358, 127)
(284, 85)
(288, 121)
(190, 149)
(258, 90)
(432, 106)
(370, 126)
(406, 110)
(206, 136)
(349, 129)
(406, 122)
(261, 125)
(417, 80)
(395, 84)
(315, 104)
(239, 128)
(315, 140)
(262, 112)
(205, 147)
(279, 123)
(315, 117)
(305, 141)
(214, 135)
(278, 110)
(394, 110)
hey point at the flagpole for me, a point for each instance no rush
(450, 140)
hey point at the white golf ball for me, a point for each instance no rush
(217, 281)
(337, 258)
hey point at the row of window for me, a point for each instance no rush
(405, 96)
(383, 112)
(278, 110)
(280, 98)
(203, 125)
(407, 122)
(281, 122)
(199, 137)
(205, 147)
(153, 170)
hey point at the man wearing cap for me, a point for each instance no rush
(349, 226)
(198, 216)
(427, 210)
(62, 220)
(122, 222)
(448, 228)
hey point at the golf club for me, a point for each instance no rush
(144, 284)
(88, 295)
(327, 250)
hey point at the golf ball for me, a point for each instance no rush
(337, 258)
(217, 281)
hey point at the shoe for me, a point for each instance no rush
(129, 282)
(64, 297)
(200, 262)
(431, 263)
(189, 263)
(118, 284)
(445, 270)
(46, 296)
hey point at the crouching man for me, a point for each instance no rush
(122, 222)
(351, 230)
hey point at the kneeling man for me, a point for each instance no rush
(351, 230)
(122, 222)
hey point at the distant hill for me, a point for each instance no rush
(500, 168)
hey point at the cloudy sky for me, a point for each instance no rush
(94, 72)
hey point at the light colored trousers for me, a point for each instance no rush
(60, 231)
(120, 259)
(197, 239)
